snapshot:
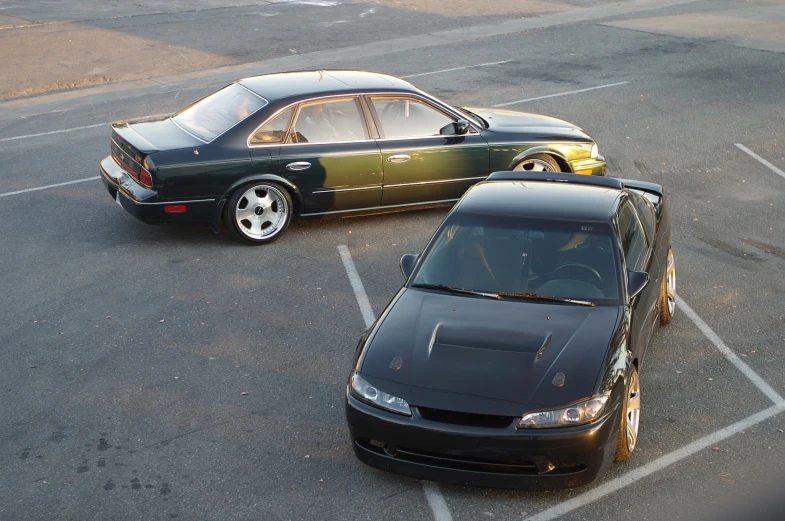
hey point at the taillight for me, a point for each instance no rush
(145, 179)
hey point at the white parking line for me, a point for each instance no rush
(688, 450)
(761, 160)
(454, 69)
(765, 388)
(562, 94)
(660, 463)
(85, 127)
(432, 493)
(50, 186)
(357, 285)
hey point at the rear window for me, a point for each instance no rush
(212, 116)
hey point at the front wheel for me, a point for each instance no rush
(668, 291)
(258, 213)
(631, 417)
(538, 163)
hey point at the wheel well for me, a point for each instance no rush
(564, 165)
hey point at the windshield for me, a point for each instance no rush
(218, 112)
(497, 254)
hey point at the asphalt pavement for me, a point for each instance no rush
(163, 373)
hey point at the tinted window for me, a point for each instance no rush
(275, 130)
(404, 117)
(218, 112)
(646, 212)
(633, 241)
(330, 120)
(495, 254)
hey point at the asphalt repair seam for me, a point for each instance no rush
(436, 499)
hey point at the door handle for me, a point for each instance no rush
(298, 165)
(399, 158)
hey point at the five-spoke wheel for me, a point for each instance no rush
(631, 417)
(258, 213)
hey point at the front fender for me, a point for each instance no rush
(297, 196)
(560, 157)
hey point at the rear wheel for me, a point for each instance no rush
(258, 213)
(631, 417)
(668, 291)
(538, 163)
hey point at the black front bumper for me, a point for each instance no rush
(541, 459)
(145, 204)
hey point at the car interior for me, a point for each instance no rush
(559, 263)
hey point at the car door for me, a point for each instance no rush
(330, 156)
(638, 256)
(420, 164)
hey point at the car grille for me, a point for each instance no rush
(465, 418)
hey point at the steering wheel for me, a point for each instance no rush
(391, 107)
(594, 273)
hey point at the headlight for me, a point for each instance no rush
(595, 151)
(370, 394)
(578, 414)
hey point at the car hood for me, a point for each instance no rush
(514, 121)
(487, 356)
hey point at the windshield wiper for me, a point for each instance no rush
(455, 291)
(543, 298)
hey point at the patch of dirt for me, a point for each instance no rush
(64, 56)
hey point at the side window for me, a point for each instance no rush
(275, 130)
(646, 212)
(329, 120)
(633, 241)
(408, 118)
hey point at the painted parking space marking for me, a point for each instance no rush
(455, 69)
(746, 370)
(660, 463)
(760, 160)
(61, 131)
(689, 449)
(50, 186)
(562, 94)
(432, 493)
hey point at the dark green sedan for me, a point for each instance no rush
(268, 149)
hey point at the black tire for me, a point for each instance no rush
(668, 291)
(624, 446)
(268, 218)
(538, 163)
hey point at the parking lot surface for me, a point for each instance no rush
(168, 372)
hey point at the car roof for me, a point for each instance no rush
(542, 200)
(289, 85)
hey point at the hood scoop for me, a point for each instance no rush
(446, 336)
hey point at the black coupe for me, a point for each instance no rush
(510, 357)
(265, 150)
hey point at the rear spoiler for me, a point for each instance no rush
(133, 138)
(591, 180)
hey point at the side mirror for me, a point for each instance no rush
(458, 128)
(407, 264)
(636, 281)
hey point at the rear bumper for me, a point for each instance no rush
(479, 456)
(590, 166)
(145, 204)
